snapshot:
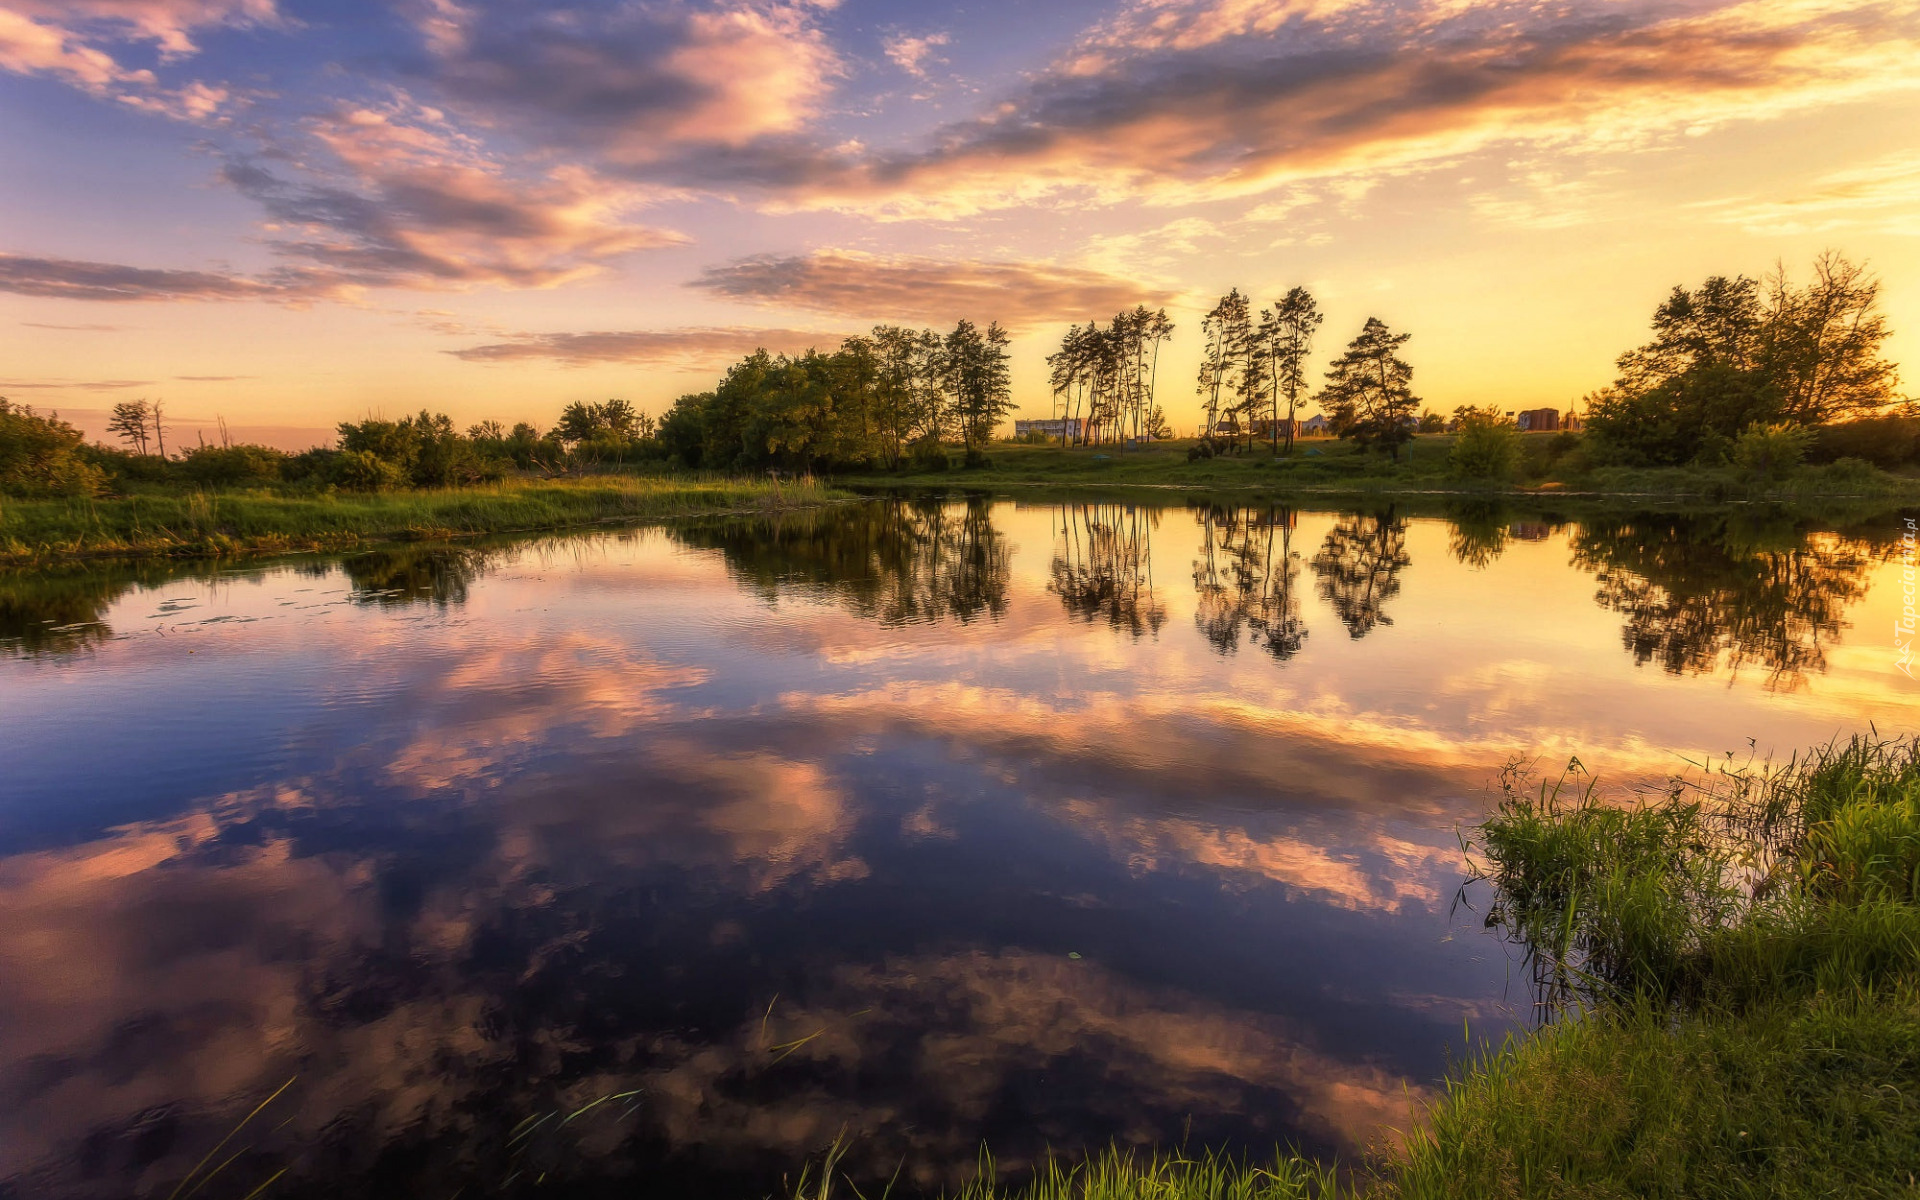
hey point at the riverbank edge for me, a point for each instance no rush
(1838, 510)
(200, 525)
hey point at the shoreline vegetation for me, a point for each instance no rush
(1729, 979)
(265, 520)
(224, 523)
(216, 519)
(1327, 466)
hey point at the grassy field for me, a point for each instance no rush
(1734, 973)
(1332, 466)
(216, 523)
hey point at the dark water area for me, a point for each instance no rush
(650, 862)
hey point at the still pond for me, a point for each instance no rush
(919, 824)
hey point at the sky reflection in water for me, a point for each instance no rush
(1048, 825)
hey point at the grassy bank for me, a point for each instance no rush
(1732, 974)
(1334, 467)
(234, 522)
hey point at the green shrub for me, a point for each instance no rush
(1487, 446)
(1886, 441)
(1846, 474)
(928, 455)
(365, 471)
(315, 465)
(1688, 418)
(43, 456)
(1770, 452)
(233, 466)
(122, 467)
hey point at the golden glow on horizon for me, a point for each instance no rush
(489, 239)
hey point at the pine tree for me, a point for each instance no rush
(1369, 394)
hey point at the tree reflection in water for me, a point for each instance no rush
(1359, 568)
(1477, 532)
(60, 613)
(1703, 593)
(1102, 565)
(401, 575)
(897, 561)
(63, 610)
(1245, 578)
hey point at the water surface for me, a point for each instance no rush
(916, 823)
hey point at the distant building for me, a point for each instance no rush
(1268, 428)
(1072, 428)
(1315, 425)
(1539, 420)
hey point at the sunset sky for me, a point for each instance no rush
(287, 213)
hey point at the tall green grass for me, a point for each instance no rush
(1116, 1173)
(1795, 1097)
(209, 523)
(1752, 885)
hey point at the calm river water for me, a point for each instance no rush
(919, 824)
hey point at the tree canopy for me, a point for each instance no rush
(1739, 353)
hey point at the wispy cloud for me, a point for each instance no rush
(72, 279)
(170, 25)
(699, 348)
(908, 288)
(90, 385)
(912, 54)
(1882, 195)
(412, 202)
(83, 43)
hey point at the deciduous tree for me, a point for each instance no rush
(131, 421)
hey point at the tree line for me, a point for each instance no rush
(1105, 380)
(879, 399)
(42, 455)
(1253, 369)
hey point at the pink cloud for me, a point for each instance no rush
(411, 202)
(73, 279)
(28, 47)
(631, 81)
(689, 349)
(912, 54)
(169, 24)
(908, 288)
(1189, 102)
(69, 40)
